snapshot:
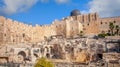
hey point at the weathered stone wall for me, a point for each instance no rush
(16, 32)
(104, 23)
(68, 27)
(2, 19)
(90, 22)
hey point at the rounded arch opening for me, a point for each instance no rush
(48, 55)
(22, 53)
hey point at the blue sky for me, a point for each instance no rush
(45, 11)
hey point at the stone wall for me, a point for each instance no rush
(68, 27)
(16, 32)
(90, 23)
(104, 23)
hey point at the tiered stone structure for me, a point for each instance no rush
(17, 32)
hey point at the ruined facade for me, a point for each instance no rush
(59, 49)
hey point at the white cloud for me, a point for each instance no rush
(15, 6)
(44, 1)
(62, 1)
(10, 7)
(105, 8)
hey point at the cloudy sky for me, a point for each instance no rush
(45, 11)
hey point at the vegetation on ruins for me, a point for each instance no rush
(81, 33)
(102, 35)
(111, 26)
(117, 28)
(43, 62)
(114, 30)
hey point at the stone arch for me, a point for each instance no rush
(47, 49)
(22, 53)
(48, 55)
(21, 56)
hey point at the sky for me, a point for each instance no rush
(46, 11)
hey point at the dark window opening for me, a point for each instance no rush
(100, 56)
(88, 24)
(48, 55)
(13, 40)
(23, 35)
(114, 21)
(4, 34)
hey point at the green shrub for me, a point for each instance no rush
(43, 62)
(102, 35)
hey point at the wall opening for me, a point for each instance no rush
(48, 55)
(22, 53)
(100, 56)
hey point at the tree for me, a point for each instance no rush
(81, 33)
(117, 29)
(111, 26)
(43, 62)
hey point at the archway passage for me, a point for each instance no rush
(48, 55)
(22, 53)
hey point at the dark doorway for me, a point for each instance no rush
(100, 56)
(23, 54)
(48, 55)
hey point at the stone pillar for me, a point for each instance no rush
(67, 28)
(80, 27)
(90, 16)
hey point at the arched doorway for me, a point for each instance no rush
(48, 55)
(22, 53)
(46, 49)
(21, 56)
